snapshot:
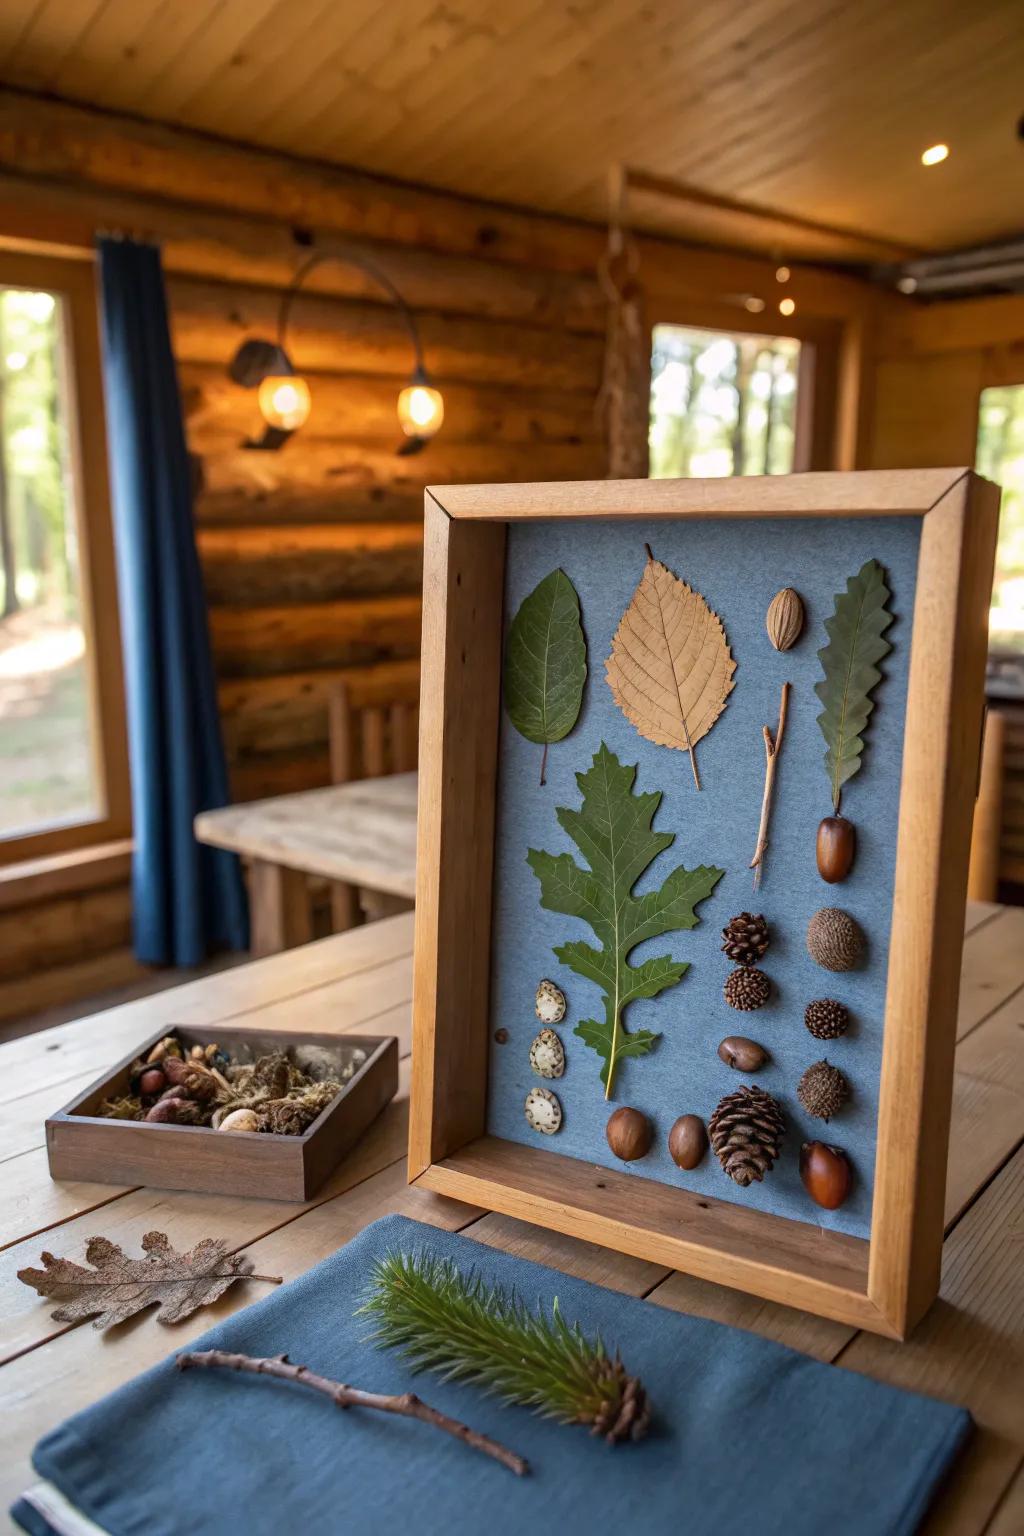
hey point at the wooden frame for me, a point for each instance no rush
(82, 1145)
(884, 1283)
(74, 282)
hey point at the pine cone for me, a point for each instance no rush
(746, 1133)
(625, 1412)
(747, 989)
(745, 939)
(826, 1019)
(823, 1090)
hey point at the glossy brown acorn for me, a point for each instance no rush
(687, 1141)
(837, 844)
(629, 1134)
(742, 1054)
(826, 1174)
(152, 1082)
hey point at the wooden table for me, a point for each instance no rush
(969, 1349)
(360, 835)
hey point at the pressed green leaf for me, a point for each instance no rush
(546, 662)
(613, 831)
(856, 645)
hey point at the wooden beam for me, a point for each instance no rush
(62, 874)
(310, 563)
(248, 641)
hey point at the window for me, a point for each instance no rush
(1000, 456)
(722, 404)
(63, 779)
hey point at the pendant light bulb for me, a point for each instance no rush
(284, 401)
(420, 408)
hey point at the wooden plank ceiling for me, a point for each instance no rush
(819, 107)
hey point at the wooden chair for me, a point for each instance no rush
(365, 741)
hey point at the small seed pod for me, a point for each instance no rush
(785, 619)
(550, 1005)
(240, 1120)
(629, 1134)
(826, 1019)
(547, 1054)
(837, 844)
(687, 1141)
(826, 1174)
(742, 1054)
(543, 1111)
(152, 1082)
(823, 1090)
(834, 939)
(747, 988)
(166, 1111)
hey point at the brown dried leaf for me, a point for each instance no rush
(670, 669)
(117, 1287)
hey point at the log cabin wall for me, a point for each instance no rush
(931, 364)
(312, 555)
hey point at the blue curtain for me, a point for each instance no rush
(188, 899)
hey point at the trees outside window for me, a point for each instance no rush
(1000, 457)
(722, 404)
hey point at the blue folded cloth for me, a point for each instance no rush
(747, 1435)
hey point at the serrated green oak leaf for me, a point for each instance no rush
(856, 644)
(613, 831)
(546, 663)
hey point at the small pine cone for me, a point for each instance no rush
(745, 939)
(746, 989)
(823, 1090)
(826, 1019)
(746, 1132)
(625, 1412)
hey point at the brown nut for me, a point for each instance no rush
(785, 619)
(687, 1141)
(629, 1134)
(743, 1054)
(152, 1082)
(826, 1174)
(166, 1111)
(837, 844)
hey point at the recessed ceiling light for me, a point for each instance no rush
(907, 285)
(782, 274)
(935, 154)
(787, 306)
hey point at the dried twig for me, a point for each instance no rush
(406, 1404)
(771, 753)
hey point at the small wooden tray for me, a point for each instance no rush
(83, 1146)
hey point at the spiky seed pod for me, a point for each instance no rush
(826, 1019)
(746, 1133)
(747, 989)
(823, 1090)
(834, 939)
(745, 939)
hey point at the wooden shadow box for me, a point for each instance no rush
(84, 1146)
(886, 1281)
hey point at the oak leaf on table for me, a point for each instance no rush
(116, 1287)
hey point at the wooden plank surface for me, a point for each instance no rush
(967, 1350)
(363, 833)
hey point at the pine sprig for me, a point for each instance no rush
(465, 1330)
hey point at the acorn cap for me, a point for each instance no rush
(834, 939)
(823, 1090)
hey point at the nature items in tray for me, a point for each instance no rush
(856, 644)
(613, 830)
(280, 1094)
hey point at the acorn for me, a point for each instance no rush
(629, 1134)
(152, 1082)
(826, 1174)
(837, 844)
(742, 1054)
(687, 1141)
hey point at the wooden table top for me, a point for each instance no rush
(969, 1349)
(363, 833)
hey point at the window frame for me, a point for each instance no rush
(818, 429)
(74, 281)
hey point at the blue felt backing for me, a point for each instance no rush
(738, 565)
(747, 1435)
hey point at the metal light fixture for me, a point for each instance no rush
(283, 395)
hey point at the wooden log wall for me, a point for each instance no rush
(312, 555)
